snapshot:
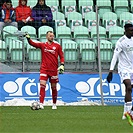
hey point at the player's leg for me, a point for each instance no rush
(43, 80)
(20, 24)
(129, 114)
(128, 97)
(42, 90)
(125, 78)
(54, 94)
(54, 80)
(128, 101)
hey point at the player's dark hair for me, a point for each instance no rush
(128, 26)
(49, 32)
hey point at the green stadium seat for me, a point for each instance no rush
(106, 50)
(59, 19)
(3, 52)
(131, 3)
(126, 17)
(88, 54)
(102, 33)
(68, 6)
(109, 19)
(8, 32)
(90, 15)
(74, 19)
(58, 16)
(31, 3)
(70, 50)
(15, 3)
(115, 32)
(85, 6)
(80, 33)
(90, 19)
(67, 3)
(103, 6)
(31, 30)
(16, 51)
(69, 9)
(106, 53)
(34, 54)
(54, 8)
(53, 4)
(120, 6)
(33, 58)
(60, 23)
(16, 55)
(63, 33)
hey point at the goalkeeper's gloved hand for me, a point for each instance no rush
(61, 69)
(27, 36)
(109, 77)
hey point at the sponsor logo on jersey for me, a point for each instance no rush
(130, 49)
(51, 51)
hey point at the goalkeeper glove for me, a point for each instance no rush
(61, 69)
(109, 77)
(27, 36)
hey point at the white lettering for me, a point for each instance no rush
(28, 89)
(20, 82)
(114, 88)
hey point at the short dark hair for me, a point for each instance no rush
(49, 31)
(8, 1)
(128, 25)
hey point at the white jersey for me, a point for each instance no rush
(124, 54)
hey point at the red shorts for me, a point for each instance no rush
(51, 75)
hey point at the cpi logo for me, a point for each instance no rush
(20, 88)
(91, 87)
(27, 87)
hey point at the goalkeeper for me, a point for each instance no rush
(50, 50)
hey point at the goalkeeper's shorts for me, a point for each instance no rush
(51, 75)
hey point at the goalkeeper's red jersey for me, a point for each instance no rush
(49, 53)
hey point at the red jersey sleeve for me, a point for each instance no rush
(61, 55)
(35, 44)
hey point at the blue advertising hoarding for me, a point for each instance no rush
(72, 87)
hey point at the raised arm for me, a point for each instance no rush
(35, 44)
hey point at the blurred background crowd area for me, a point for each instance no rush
(79, 26)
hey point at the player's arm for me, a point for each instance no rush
(35, 44)
(61, 55)
(113, 61)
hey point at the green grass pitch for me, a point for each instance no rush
(66, 119)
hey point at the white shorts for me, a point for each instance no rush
(126, 75)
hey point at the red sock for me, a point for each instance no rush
(54, 94)
(42, 93)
